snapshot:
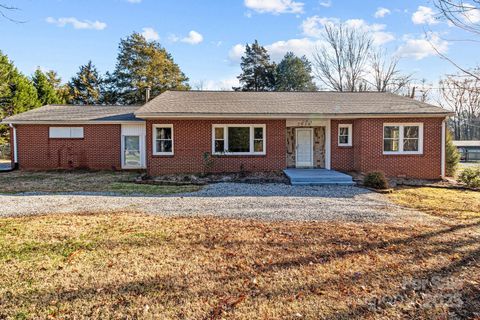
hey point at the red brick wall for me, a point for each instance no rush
(192, 138)
(99, 149)
(342, 157)
(367, 153)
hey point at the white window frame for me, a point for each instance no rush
(349, 126)
(252, 139)
(401, 138)
(69, 133)
(154, 140)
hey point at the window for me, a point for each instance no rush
(65, 132)
(238, 139)
(345, 135)
(162, 139)
(403, 138)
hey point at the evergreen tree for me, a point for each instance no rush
(108, 92)
(17, 92)
(258, 73)
(63, 91)
(142, 64)
(45, 90)
(294, 74)
(451, 154)
(85, 86)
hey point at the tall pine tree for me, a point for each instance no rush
(143, 64)
(294, 74)
(258, 73)
(85, 86)
(62, 90)
(45, 89)
(17, 93)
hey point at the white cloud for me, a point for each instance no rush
(236, 52)
(472, 14)
(223, 84)
(134, 1)
(77, 24)
(420, 48)
(193, 38)
(326, 4)
(275, 6)
(424, 15)
(150, 34)
(314, 27)
(381, 12)
(300, 47)
(278, 49)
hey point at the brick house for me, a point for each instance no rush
(250, 131)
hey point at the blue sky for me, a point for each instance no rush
(206, 37)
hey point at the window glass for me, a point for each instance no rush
(410, 145)
(164, 133)
(258, 140)
(163, 141)
(390, 145)
(219, 133)
(238, 139)
(401, 138)
(392, 132)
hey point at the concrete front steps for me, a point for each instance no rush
(316, 177)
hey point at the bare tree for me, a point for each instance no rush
(461, 94)
(464, 15)
(385, 74)
(341, 63)
(4, 8)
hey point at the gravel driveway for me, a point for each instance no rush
(231, 200)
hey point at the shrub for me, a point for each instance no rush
(375, 180)
(471, 177)
(208, 163)
(452, 156)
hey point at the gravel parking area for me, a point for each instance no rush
(229, 200)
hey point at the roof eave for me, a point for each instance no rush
(6, 121)
(156, 115)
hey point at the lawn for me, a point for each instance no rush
(128, 265)
(453, 203)
(78, 181)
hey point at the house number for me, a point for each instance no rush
(305, 123)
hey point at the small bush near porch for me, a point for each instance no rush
(136, 266)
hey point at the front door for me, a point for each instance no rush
(132, 152)
(304, 147)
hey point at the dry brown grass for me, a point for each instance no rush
(89, 181)
(138, 266)
(452, 203)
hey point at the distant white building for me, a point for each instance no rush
(469, 150)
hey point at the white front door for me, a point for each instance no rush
(133, 146)
(304, 147)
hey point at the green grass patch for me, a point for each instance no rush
(133, 188)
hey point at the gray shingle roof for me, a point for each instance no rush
(72, 113)
(279, 103)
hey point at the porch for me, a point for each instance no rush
(317, 177)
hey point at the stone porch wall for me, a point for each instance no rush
(318, 146)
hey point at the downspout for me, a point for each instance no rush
(13, 141)
(444, 133)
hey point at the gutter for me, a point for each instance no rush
(153, 115)
(15, 146)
